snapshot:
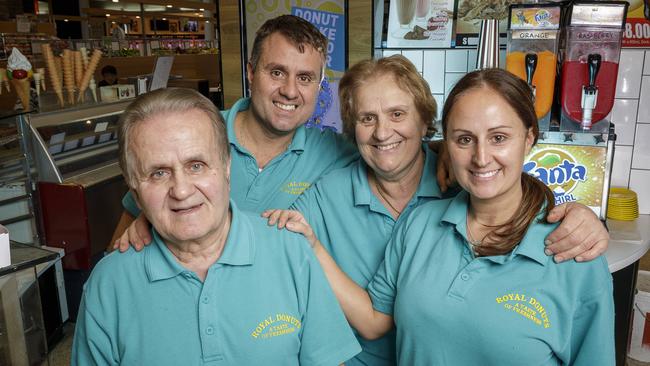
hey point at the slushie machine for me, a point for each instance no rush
(576, 146)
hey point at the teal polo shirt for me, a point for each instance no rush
(355, 228)
(311, 154)
(522, 308)
(266, 301)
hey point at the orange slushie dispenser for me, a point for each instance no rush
(532, 52)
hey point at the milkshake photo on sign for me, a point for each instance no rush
(420, 23)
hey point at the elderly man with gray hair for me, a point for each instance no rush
(217, 286)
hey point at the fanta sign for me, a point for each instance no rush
(559, 170)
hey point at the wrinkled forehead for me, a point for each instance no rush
(156, 140)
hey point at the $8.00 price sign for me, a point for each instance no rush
(637, 33)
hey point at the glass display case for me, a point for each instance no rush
(16, 178)
(80, 185)
(22, 331)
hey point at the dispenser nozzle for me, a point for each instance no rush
(531, 65)
(590, 92)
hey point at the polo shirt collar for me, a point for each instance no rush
(297, 143)
(428, 187)
(456, 214)
(239, 250)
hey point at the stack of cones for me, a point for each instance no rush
(68, 74)
(77, 71)
(53, 72)
(88, 74)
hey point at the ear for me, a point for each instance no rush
(530, 139)
(249, 73)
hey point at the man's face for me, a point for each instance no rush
(282, 98)
(181, 184)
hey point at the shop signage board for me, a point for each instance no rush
(574, 173)
(420, 24)
(637, 26)
(467, 20)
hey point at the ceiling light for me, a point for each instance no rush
(201, 9)
(169, 6)
(65, 20)
(108, 15)
(137, 17)
(164, 18)
(116, 1)
(207, 21)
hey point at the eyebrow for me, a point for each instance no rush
(489, 129)
(283, 68)
(401, 107)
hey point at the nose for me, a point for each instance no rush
(182, 186)
(382, 130)
(481, 156)
(289, 88)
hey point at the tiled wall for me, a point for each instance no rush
(631, 112)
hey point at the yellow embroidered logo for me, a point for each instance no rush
(528, 307)
(274, 326)
(295, 188)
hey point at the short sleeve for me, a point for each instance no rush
(592, 331)
(326, 338)
(128, 202)
(383, 287)
(92, 343)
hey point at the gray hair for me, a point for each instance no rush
(163, 101)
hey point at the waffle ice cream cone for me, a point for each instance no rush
(78, 72)
(53, 72)
(21, 86)
(90, 70)
(68, 75)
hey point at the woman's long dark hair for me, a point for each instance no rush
(535, 195)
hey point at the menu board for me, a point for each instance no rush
(420, 24)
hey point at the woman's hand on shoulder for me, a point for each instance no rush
(293, 221)
(136, 235)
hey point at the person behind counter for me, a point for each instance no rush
(216, 284)
(109, 76)
(466, 280)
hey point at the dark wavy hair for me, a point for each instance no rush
(536, 196)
